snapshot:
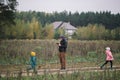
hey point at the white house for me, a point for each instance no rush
(69, 29)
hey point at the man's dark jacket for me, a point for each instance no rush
(63, 46)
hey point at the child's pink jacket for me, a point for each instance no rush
(109, 55)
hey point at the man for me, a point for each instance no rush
(62, 49)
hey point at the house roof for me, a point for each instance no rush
(65, 25)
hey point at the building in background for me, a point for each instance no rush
(66, 26)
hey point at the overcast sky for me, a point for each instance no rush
(50, 6)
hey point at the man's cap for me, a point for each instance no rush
(62, 37)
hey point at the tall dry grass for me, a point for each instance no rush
(18, 51)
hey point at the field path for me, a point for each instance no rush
(16, 73)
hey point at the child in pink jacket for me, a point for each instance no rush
(109, 57)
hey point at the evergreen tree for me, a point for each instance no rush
(7, 9)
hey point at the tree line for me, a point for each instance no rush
(36, 25)
(35, 30)
(96, 32)
(110, 21)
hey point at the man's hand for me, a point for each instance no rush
(58, 44)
